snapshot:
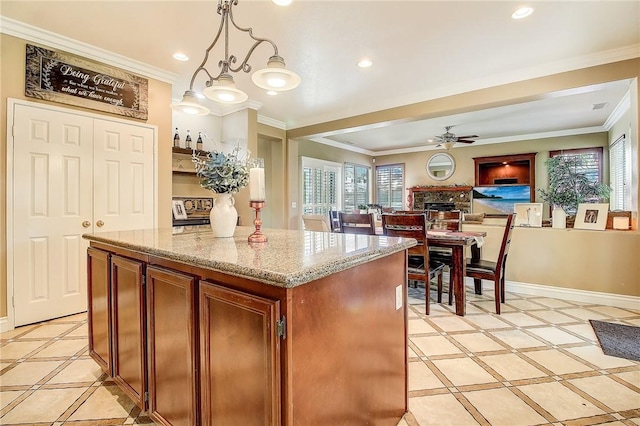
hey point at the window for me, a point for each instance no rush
(390, 186)
(619, 176)
(590, 161)
(320, 192)
(356, 186)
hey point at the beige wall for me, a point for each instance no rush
(12, 83)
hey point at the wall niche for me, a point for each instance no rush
(517, 169)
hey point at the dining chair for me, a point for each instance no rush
(334, 220)
(493, 271)
(357, 223)
(419, 267)
(316, 222)
(450, 220)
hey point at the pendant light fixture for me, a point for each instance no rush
(221, 87)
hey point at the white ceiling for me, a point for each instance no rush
(420, 50)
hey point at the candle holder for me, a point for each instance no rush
(257, 236)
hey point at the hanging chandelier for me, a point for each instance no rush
(221, 87)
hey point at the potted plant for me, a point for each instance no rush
(568, 187)
(363, 208)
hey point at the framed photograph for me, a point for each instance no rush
(528, 214)
(179, 211)
(592, 216)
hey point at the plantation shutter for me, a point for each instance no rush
(390, 186)
(618, 174)
(319, 186)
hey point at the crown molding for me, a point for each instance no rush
(56, 41)
(272, 122)
(620, 109)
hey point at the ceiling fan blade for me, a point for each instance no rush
(467, 137)
(463, 141)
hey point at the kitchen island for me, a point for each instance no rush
(309, 328)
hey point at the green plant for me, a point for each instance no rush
(362, 207)
(569, 186)
(222, 173)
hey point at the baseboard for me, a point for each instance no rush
(4, 325)
(575, 295)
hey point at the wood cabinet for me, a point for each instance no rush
(516, 169)
(129, 327)
(99, 312)
(239, 358)
(173, 365)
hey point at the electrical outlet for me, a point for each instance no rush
(294, 205)
(398, 297)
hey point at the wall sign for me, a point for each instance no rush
(69, 79)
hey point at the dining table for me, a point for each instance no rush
(458, 241)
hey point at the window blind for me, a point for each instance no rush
(618, 174)
(390, 186)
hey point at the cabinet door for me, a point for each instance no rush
(98, 289)
(129, 338)
(173, 364)
(239, 358)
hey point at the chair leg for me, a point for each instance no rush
(496, 284)
(502, 289)
(440, 288)
(477, 283)
(450, 289)
(427, 296)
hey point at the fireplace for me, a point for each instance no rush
(441, 207)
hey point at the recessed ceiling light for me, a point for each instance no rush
(180, 56)
(272, 92)
(523, 12)
(365, 63)
(282, 2)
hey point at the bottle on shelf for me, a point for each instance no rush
(187, 140)
(176, 139)
(199, 142)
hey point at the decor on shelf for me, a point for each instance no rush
(257, 195)
(221, 87)
(592, 216)
(528, 214)
(223, 174)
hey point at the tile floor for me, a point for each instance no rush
(538, 363)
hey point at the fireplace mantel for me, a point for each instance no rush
(459, 195)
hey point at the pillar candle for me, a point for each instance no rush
(620, 222)
(256, 184)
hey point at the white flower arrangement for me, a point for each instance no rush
(222, 172)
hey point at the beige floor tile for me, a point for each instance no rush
(559, 401)
(105, 402)
(411, 353)
(584, 314)
(435, 345)
(636, 420)
(490, 306)
(5, 364)
(555, 335)
(463, 371)
(632, 377)
(7, 397)
(478, 342)
(48, 331)
(28, 373)
(402, 422)
(44, 405)
(633, 321)
(17, 331)
(517, 339)
(611, 393)
(82, 316)
(440, 410)
(80, 370)
(584, 330)
(487, 321)
(419, 326)
(525, 304)
(553, 303)
(557, 362)
(18, 349)
(614, 312)
(451, 323)
(512, 367)
(63, 347)
(594, 355)
(553, 317)
(82, 331)
(510, 411)
(421, 377)
(521, 319)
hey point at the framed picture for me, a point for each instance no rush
(528, 214)
(179, 211)
(592, 216)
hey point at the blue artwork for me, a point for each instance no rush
(499, 199)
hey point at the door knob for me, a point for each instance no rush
(100, 224)
(86, 224)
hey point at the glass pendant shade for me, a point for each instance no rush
(276, 76)
(190, 105)
(225, 91)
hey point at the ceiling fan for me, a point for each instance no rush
(448, 139)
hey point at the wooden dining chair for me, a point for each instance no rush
(419, 267)
(493, 271)
(316, 222)
(357, 223)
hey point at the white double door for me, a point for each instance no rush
(72, 174)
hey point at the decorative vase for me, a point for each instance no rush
(558, 217)
(224, 216)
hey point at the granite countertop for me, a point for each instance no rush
(290, 258)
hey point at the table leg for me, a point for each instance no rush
(459, 266)
(475, 256)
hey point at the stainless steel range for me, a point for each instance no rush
(197, 210)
